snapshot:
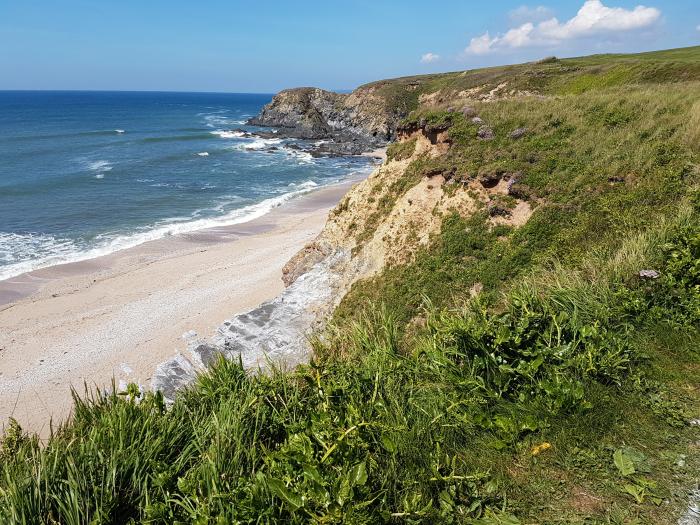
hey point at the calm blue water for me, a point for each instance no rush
(86, 173)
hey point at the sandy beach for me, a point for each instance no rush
(120, 315)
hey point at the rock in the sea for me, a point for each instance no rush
(485, 133)
(518, 133)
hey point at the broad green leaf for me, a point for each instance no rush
(635, 491)
(312, 473)
(497, 518)
(345, 491)
(282, 492)
(623, 462)
(358, 474)
(388, 444)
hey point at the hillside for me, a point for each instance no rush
(516, 332)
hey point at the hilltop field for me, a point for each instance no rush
(516, 340)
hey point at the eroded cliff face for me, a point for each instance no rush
(378, 226)
(362, 119)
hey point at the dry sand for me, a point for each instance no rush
(120, 315)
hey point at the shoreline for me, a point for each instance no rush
(20, 286)
(119, 315)
(236, 217)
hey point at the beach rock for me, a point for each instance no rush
(304, 260)
(276, 332)
(518, 133)
(173, 375)
(485, 133)
(692, 513)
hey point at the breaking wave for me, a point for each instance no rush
(21, 253)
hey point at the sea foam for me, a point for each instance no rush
(100, 165)
(227, 134)
(23, 253)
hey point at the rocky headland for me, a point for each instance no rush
(340, 123)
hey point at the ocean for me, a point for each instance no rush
(83, 174)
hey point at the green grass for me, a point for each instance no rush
(563, 76)
(595, 166)
(401, 150)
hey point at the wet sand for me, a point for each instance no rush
(120, 315)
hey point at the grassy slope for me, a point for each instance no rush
(417, 412)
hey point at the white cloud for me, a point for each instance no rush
(593, 19)
(427, 58)
(530, 14)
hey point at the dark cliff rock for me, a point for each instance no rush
(352, 123)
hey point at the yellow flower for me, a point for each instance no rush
(537, 450)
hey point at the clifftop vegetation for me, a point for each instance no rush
(525, 350)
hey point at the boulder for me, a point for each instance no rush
(497, 210)
(518, 133)
(485, 133)
(490, 180)
(649, 274)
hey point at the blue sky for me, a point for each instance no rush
(264, 46)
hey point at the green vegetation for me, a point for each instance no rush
(595, 167)
(561, 393)
(549, 77)
(401, 150)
